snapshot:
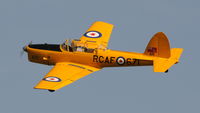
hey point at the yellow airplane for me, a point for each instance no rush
(78, 58)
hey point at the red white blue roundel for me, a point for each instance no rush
(93, 34)
(52, 79)
(120, 60)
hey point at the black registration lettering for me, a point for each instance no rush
(101, 59)
(128, 61)
(95, 58)
(112, 59)
(107, 60)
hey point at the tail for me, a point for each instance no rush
(164, 56)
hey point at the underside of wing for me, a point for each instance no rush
(99, 34)
(63, 74)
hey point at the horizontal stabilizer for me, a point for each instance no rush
(163, 64)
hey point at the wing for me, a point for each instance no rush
(99, 33)
(64, 74)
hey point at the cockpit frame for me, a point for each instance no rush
(72, 46)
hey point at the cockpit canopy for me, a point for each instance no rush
(76, 46)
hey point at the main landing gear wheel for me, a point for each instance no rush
(166, 71)
(51, 90)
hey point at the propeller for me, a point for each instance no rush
(24, 49)
(30, 43)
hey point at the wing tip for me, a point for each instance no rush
(50, 90)
(102, 22)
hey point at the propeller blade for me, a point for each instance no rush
(23, 50)
(30, 43)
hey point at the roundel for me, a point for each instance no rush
(93, 34)
(52, 79)
(120, 60)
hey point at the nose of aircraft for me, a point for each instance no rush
(25, 48)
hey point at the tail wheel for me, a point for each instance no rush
(51, 90)
(166, 71)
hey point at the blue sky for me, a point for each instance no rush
(117, 90)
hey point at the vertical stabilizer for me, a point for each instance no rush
(158, 46)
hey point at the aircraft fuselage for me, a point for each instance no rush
(51, 54)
